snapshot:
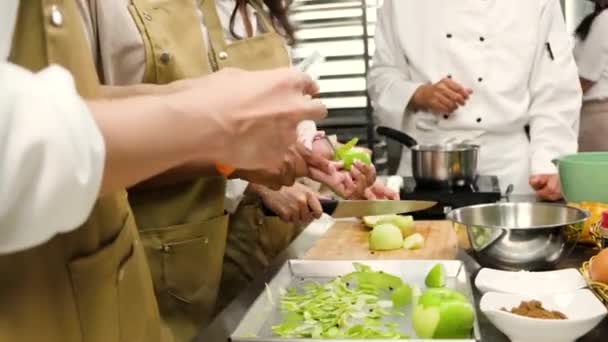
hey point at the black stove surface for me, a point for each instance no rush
(484, 190)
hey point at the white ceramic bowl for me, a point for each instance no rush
(583, 309)
(532, 283)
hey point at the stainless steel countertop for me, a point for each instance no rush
(220, 329)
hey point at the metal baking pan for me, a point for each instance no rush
(264, 313)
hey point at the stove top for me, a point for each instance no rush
(484, 190)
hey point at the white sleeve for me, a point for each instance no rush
(592, 53)
(555, 92)
(51, 157)
(235, 191)
(389, 82)
(8, 16)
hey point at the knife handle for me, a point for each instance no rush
(328, 206)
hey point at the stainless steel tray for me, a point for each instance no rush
(264, 313)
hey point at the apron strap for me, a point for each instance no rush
(214, 27)
(263, 17)
(217, 42)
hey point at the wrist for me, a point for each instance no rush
(418, 101)
(256, 189)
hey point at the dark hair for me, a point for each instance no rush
(278, 14)
(583, 29)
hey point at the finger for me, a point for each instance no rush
(455, 97)
(322, 197)
(337, 164)
(370, 173)
(454, 86)
(548, 194)
(347, 186)
(314, 204)
(320, 163)
(359, 178)
(393, 195)
(284, 214)
(538, 182)
(370, 195)
(312, 109)
(446, 105)
(306, 83)
(303, 209)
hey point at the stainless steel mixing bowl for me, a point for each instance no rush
(518, 236)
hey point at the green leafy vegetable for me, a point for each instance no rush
(347, 307)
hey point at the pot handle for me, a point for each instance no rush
(508, 192)
(397, 135)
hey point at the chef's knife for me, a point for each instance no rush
(359, 208)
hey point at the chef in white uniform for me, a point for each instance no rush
(58, 153)
(481, 70)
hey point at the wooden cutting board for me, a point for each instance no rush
(349, 241)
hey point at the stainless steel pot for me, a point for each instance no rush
(447, 164)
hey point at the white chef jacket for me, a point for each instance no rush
(51, 152)
(592, 58)
(121, 55)
(500, 49)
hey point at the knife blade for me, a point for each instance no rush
(359, 208)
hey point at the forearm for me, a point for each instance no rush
(147, 135)
(121, 92)
(179, 174)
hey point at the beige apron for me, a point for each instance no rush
(92, 284)
(183, 227)
(253, 239)
(594, 125)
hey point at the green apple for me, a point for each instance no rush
(350, 156)
(366, 278)
(402, 296)
(385, 237)
(348, 153)
(414, 241)
(344, 148)
(405, 223)
(436, 277)
(443, 314)
(371, 221)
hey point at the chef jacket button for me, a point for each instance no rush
(481, 39)
(223, 55)
(478, 120)
(165, 57)
(450, 76)
(480, 79)
(56, 16)
(449, 35)
(445, 116)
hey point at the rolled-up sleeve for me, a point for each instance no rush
(556, 95)
(51, 157)
(389, 83)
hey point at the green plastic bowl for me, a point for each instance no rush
(584, 177)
